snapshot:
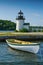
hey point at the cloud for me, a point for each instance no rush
(36, 14)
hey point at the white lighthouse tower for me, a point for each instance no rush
(20, 21)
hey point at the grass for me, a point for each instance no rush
(20, 33)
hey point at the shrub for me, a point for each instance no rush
(24, 30)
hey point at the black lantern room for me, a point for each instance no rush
(20, 16)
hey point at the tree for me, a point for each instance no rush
(7, 25)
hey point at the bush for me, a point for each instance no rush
(34, 31)
(42, 30)
(16, 31)
(39, 30)
(23, 30)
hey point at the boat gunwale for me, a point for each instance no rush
(19, 44)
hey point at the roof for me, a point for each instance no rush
(26, 24)
(20, 12)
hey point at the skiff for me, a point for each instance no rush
(23, 45)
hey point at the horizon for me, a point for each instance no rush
(32, 9)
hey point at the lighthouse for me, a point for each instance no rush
(20, 21)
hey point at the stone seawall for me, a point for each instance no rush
(30, 36)
(25, 38)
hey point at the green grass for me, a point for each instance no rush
(20, 33)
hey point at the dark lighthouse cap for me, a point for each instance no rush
(20, 12)
(20, 16)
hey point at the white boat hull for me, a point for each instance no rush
(29, 48)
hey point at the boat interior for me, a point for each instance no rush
(13, 41)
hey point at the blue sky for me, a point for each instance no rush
(32, 9)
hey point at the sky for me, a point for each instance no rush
(32, 9)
